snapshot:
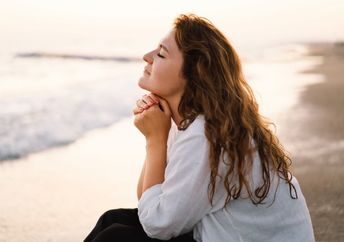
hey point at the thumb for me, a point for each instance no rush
(165, 107)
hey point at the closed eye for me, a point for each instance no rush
(158, 54)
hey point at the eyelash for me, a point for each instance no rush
(158, 54)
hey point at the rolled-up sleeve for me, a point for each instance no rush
(174, 207)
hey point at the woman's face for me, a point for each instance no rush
(162, 74)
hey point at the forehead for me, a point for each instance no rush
(169, 41)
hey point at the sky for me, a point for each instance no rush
(245, 22)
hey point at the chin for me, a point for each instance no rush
(142, 84)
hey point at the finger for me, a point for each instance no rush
(137, 110)
(141, 104)
(154, 97)
(166, 107)
(150, 101)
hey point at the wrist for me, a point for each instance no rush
(156, 141)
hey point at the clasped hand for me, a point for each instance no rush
(153, 117)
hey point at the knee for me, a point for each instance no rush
(110, 213)
(120, 232)
(120, 215)
(119, 212)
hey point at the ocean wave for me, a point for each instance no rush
(37, 121)
(54, 102)
(76, 56)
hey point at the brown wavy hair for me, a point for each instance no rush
(216, 88)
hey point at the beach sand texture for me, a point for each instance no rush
(319, 165)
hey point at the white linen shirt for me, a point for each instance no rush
(180, 204)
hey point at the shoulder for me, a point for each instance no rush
(189, 142)
(196, 130)
(197, 127)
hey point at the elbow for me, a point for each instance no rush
(160, 235)
(162, 230)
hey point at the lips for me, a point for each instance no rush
(146, 71)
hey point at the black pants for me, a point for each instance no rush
(123, 225)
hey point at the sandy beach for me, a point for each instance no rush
(318, 125)
(58, 194)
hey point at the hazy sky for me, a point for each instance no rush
(244, 21)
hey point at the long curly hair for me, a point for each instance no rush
(216, 88)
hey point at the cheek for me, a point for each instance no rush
(164, 80)
(154, 83)
(168, 84)
(174, 80)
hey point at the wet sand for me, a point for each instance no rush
(58, 194)
(318, 124)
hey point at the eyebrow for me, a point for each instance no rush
(164, 47)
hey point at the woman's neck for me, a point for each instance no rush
(174, 103)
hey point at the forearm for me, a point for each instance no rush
(140, 182)
(155, 163)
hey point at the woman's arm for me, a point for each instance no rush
(155, 163)
(155, 124)
(174, 207)
(156, 157)
(140, 183)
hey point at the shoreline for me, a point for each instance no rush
(53, 188)
(319, 128)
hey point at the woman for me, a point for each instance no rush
(215, 172)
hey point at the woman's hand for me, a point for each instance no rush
(145, 102)
(153, 117)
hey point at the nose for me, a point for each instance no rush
(148, 57)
